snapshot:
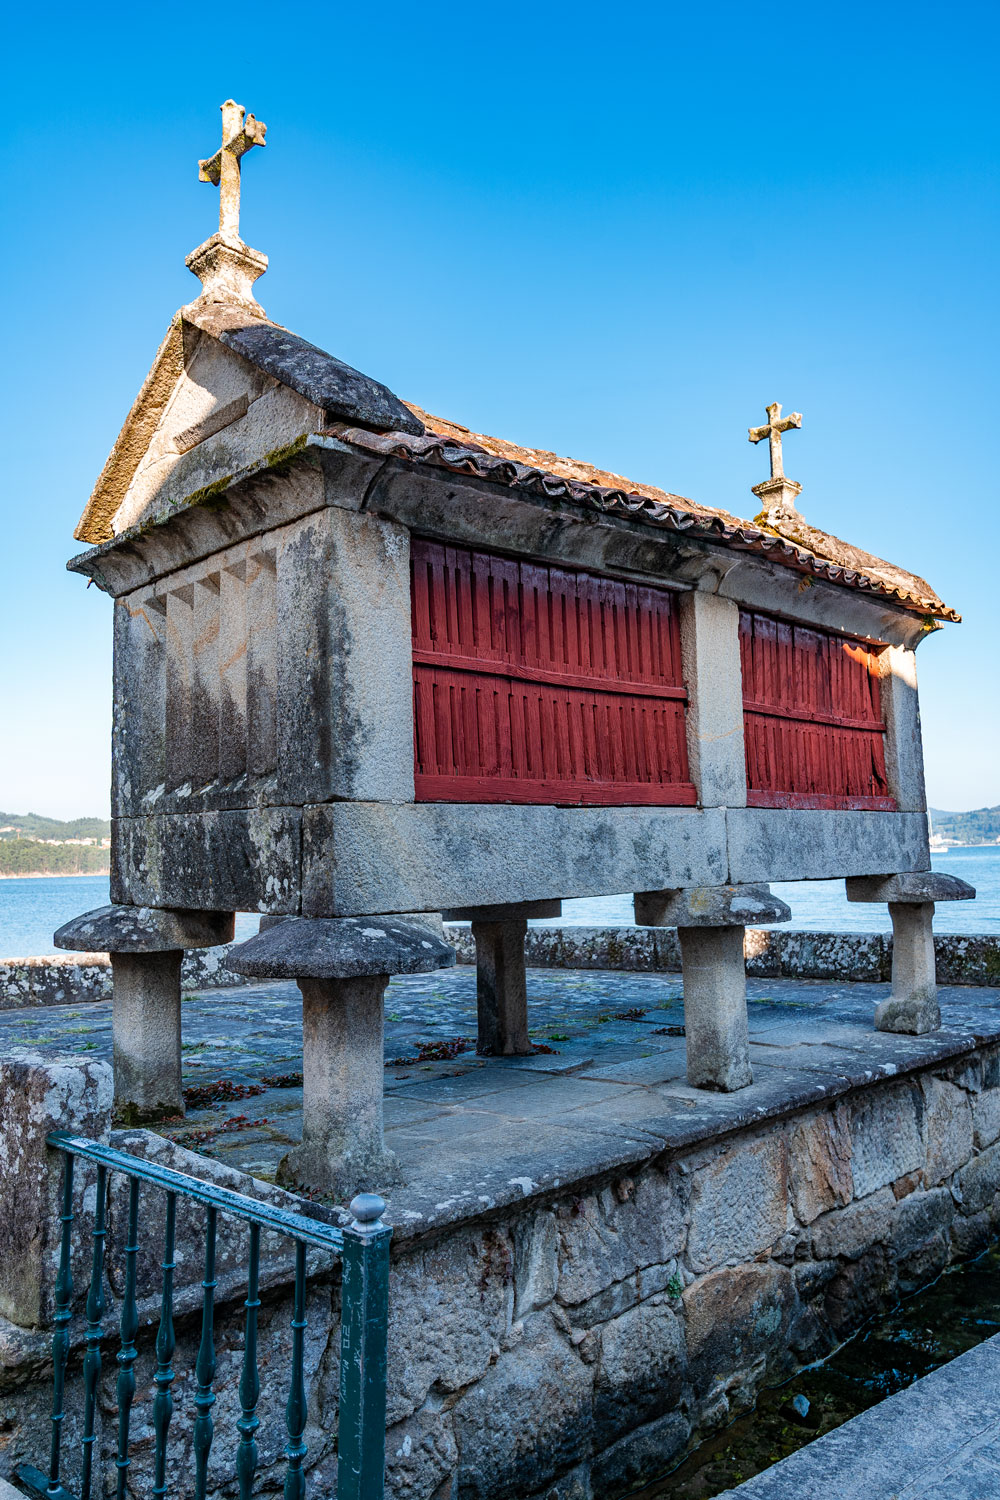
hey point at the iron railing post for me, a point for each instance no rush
(364, 1319)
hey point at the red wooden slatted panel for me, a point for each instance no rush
(538, 684)
(812, 718)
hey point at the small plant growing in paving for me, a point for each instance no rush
(674, 1286)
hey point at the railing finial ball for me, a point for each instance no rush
(367, 1208)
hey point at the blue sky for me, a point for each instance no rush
(613, 232)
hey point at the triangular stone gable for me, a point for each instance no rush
(226, 390)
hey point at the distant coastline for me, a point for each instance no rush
(54, 874)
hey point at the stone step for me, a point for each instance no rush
(940, 1437)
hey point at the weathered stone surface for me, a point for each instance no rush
(886, 1137)
(710, 906)
(738, 1204)
(215, 861)
(146, 1032)
(916, 885)
(948, 1126)
(734, 1317)
(536, 1262)
(341, 948)
(921, 1216)
(608, 1236)
(819, 1161)
(715, 1008)
(710, 658)
(860, 1288)
(448, 1314)
(782, 844)
(769, 953)
(516, 911)
(39, 1095)
(980, 1181)
(853, 1230)
(421, 1457)
(504, 1452)
(986, 1118)
(913, 1006)
(501, 988)
(342, 1151)
(54, 981)
(327, 382)
(442, 856)
(647, 1451)
(144, 929)
(640, 1372)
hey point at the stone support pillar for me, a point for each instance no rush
(715, 1007)
(342, 1077)
(501, 980)
(146, 1033)
(39, 1095)
(710, 653)
(146, 945)
(342, 966)
(912, 1006)
(904, 754)
(711, 922)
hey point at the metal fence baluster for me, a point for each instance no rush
(61, 1317)
(163, 1401)
(364, 1252)
(364, 1317)
(204, 1399)
(295, 1412)
(95, 1314)
(246, 1454)
(129, 1328)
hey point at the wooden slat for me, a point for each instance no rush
(543, 684)
(812, 717)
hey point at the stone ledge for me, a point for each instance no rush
(863, 957)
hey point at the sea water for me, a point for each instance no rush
(31, 909)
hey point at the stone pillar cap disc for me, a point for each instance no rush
(916, 885)
(144, 929)
(714, 906)
(340, 948)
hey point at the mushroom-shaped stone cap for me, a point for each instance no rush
(918, 886)
(710, 906)
(144, 929)
(340, 948)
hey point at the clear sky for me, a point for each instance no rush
(616, 232)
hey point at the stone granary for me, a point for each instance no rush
(368, 663)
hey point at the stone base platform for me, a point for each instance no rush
(593, 1263)
(940, 1437)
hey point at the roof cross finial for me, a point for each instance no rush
(777, 495)
(225, 266)
(776, 424)
(239, 134)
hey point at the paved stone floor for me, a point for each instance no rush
(938, 1438)
(607, 1090)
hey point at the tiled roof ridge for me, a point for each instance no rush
(449, 446)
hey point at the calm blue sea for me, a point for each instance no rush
(31, 910)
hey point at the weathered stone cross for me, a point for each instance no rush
(223, 169)
(776, 425)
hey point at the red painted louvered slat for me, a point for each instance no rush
(812, 718)
(540, 684)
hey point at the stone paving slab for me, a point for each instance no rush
(609, 1091)
(938, 1438)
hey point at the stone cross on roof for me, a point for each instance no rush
(777, 494)
(225, 266)
(239, 134)
(776, 424)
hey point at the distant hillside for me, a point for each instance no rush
(981, 826)
(31, 857)
(33, 826)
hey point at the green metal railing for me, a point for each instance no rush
(363, 1248)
